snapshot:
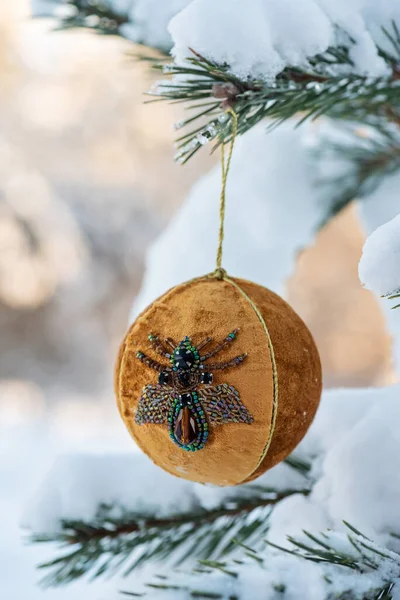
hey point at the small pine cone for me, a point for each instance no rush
(226, 92)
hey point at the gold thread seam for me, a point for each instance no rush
(274, 372)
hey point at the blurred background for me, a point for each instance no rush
(87, 181)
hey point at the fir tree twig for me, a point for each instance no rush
(110, 544)
(367, 154)
(362, 556)
(97, 15)
(327, 86)
(393, 296)
(354, 552)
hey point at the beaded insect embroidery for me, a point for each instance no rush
(184, 397)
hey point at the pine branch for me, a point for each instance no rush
(124, 543)
(98, 16)
(367, 155)
(361, 555)
(327, 86)
(393, 296)
(354, 552)
(302, 466)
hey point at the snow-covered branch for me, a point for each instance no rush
(379, 267)
(344, 566)
(140, 21)
(122, 525)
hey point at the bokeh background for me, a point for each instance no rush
(87, 181)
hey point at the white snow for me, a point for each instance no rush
(356, 440)
(360, 474)
(274, 35)
(379, 267)
(127, 482)
(376, 209)
(278, 34)
(29, 442)
(124, 481)
(148, 20)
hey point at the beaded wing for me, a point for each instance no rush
(184, 397)
(222, 404)
(154, 404)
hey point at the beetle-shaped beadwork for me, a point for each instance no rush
(184, 397)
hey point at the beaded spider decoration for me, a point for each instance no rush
(184, 397)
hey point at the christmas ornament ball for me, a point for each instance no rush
(221, 410)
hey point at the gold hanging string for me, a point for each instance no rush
(225, 171)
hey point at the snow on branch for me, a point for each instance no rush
(309, 58)
(129, 512)
(258, 43)
(379, 267)
(327, 84)
(292, 59)
(378, 567)
(140, 21)
(270, 35)
(325, 566)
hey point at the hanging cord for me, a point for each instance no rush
(274, 368)
(219, 271)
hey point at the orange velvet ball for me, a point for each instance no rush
(247, 416)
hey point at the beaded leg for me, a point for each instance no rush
(234, 362)
(171, 343)
(153, 364)
(204, 343)
(159, 346)
(229, 338)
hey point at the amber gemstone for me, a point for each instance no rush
(186, 429)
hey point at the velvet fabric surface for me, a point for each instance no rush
(212, 307)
